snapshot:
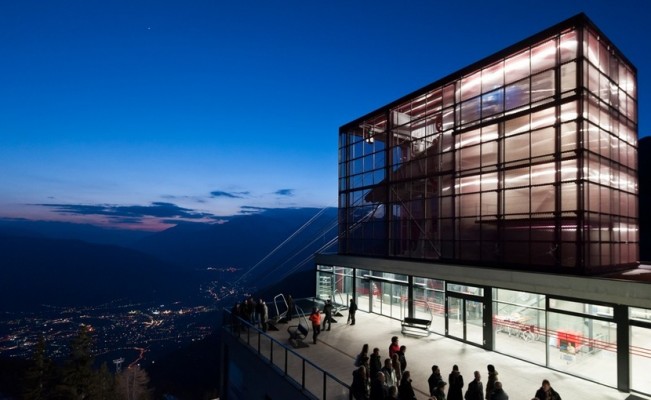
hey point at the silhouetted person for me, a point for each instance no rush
(490, 383)
(327, 310)
(498, 392)
(352, 309)
(475, 389)
(405, 391)
(434, 379)
(379, 390)
(546, 392)
(455, 384)
(361, 355)
(376, 363)
(359, 388)
(402, 358)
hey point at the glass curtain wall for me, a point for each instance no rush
(343, 286)
(640, 349)
(529, 161)
(583, 340)
(519, 325)
(363, 287)
(429, 302)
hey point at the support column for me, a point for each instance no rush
(620, 314)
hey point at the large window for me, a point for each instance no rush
(519, 324)
(583, 340)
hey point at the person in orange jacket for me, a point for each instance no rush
(315, 317)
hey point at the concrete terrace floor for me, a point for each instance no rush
(336, 350)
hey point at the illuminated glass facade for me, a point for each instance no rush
(524, 160)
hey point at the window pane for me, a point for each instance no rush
(517, 94)
(568, 46)
(492, 77)
(516, 147)
(471, 86)
(516, 201)
(470, 110)
(568, 76)
(543, 141)
(543, 56)
(542, 85)
(543, 173)
(542, 199)
(492, 103)
(517, 67)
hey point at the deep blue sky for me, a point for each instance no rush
(137, 112)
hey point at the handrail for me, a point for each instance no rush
(229, 327)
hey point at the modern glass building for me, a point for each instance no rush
(495, 202)
(524, 160)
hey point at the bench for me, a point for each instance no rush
(416, 326)
(296, 335)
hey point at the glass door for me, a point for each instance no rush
(455, 316)
(465, 319)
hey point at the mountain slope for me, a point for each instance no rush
(244, 240)
(38, 271)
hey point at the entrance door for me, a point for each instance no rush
(465, 319)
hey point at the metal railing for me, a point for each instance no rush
(313, 381)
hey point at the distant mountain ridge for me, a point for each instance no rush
(67, 230)
(61, 272)
(244, 240)
(36, 268)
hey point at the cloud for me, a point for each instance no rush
(131, 214)
(284, 192)
(230, 195)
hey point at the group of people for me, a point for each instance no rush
(328, 309)
(375, 380)
(256, 313)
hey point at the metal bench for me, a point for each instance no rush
(416, 326)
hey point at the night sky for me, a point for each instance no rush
(140, 113)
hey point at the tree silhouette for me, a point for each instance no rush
(38, 378)
(78, 376)
(133, 384)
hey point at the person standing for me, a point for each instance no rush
(475, 389)
(394, 347)
(379, 390)
(434, 379)
(405, 391)
(263, 314)
(315, 317)
(395, 364)
(352, 309)
(455, 382)
(499, 393)
(376, 363)
(389, 374)
(359, 388)
(546, 392)
(402, 358)
(327, 310)
(492, 378)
